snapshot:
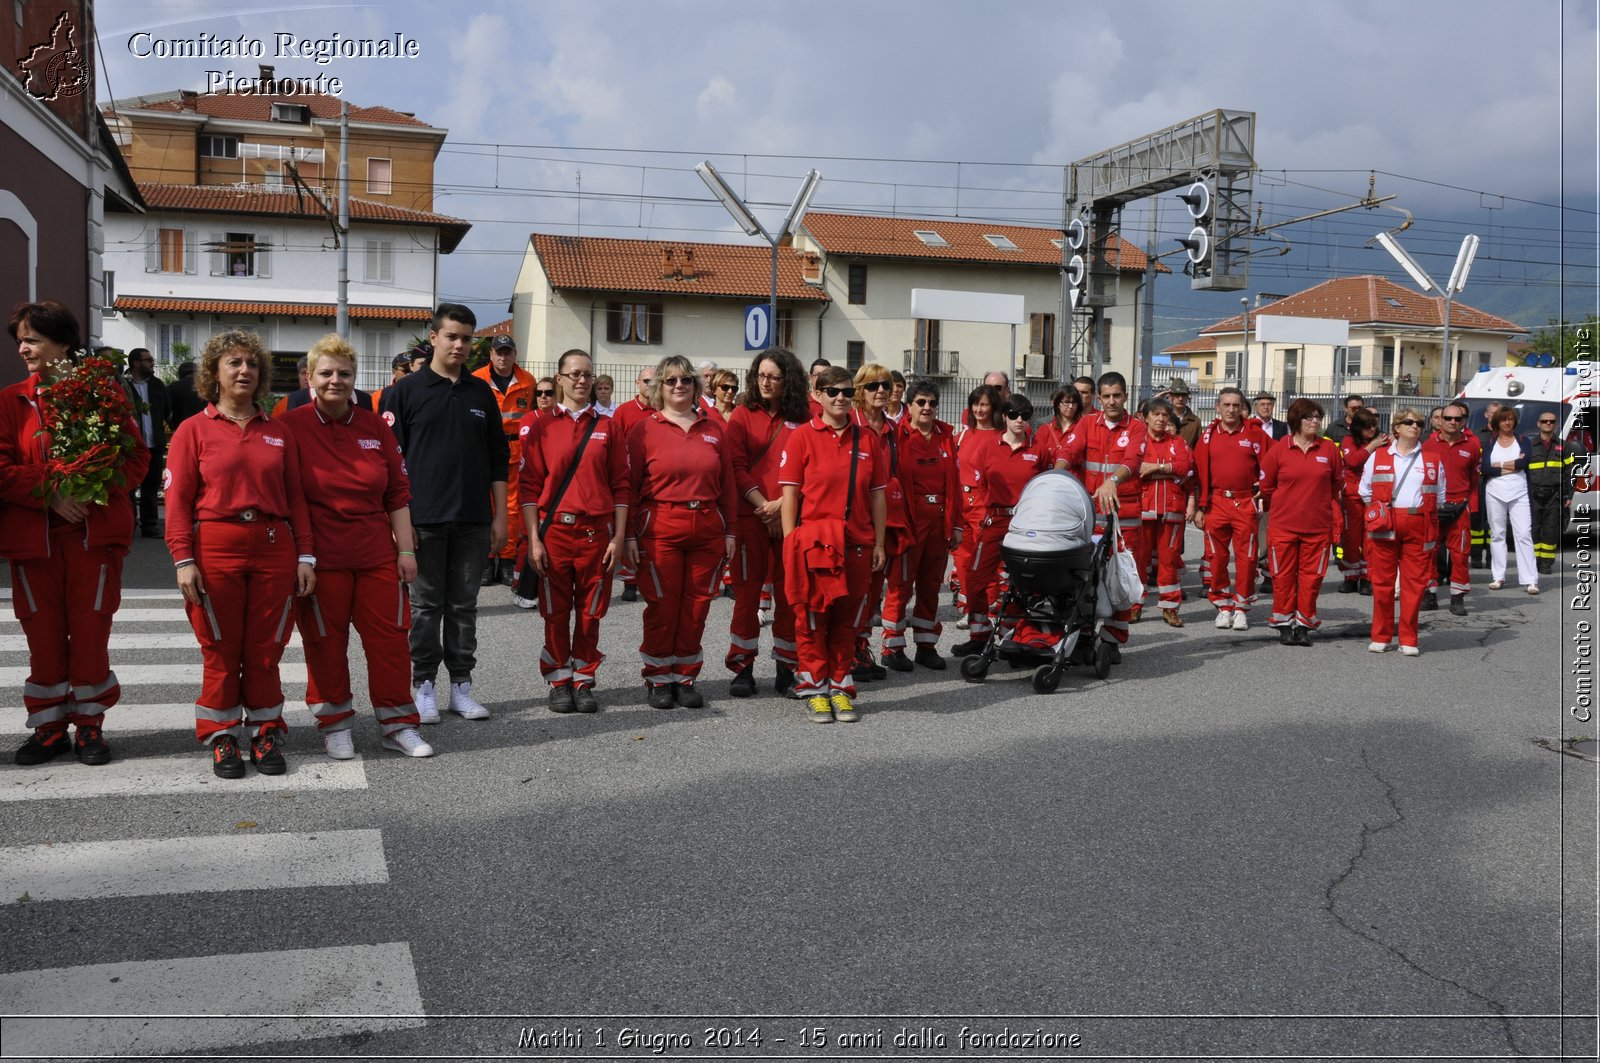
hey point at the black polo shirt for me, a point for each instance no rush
(451, 437)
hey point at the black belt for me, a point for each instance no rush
(1234, 494)
(245, 516)
(693, 503)
(1007, 510)
(577, 518)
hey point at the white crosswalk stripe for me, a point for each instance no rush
(66, 779)
(121, 643)
(173, 615)
(128, 718)
(132, 675)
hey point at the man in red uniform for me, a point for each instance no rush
(932, 488)
(1459, 452)
(1227, 461)
(626, 416)
(1167, 505)
(1106, 451)
(513, 390)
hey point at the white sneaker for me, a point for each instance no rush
(765, 617)
(1410, 651)
(524, 603)
(963, 624)
(408, 741)
(1240, 623)
(427, 705)
(461, 702)
(1224, 619)
(1377, 647)
(341, 745)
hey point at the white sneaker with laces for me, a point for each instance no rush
(1410, 651)
(461, 702)
(1224, 619)
(408, 741)
(524, 603)
(427, 705)
(1377, 647)
(1240, 623)
(341, 745)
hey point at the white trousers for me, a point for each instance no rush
(1507, 498)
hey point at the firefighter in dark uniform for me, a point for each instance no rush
(1551, 462)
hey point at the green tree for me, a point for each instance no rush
(1560, 338)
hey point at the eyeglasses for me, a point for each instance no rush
(1543, 421)
(1410, 421)
(877, 385)
(927, 404)
(545, 393)
(769, 378)
(679, 382)
(577, 375)
(727, 387)
(834, 393)
(1447, 417)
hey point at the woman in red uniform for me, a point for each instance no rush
(1362, 442)
(1411, 482)
(1166, 504)
(873, 384)
(240, 537)
(680, 464)
(66, 555)
(983, 406)
(833, 474)
(1302, 479)
(775, 404)
(1066, 407)
(587, 523)
(359, 499)
(927, 455)
(1005, 462)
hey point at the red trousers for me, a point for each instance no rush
(973, 510)
(914, 578)
(243, 622)
(1411, 553)
(983, 571)
(1456, 545)
(1352, 545)
(65, 603)
(1231, 530)
(680, 570)
(376, 602)
(826, 641)
(1298, 563)
(1163, 540)
(573, 597)
(757, 561)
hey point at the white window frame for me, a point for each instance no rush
(168, 333)
(1351, 360)
(210, 141)
(930, 238)
(1231, 361)
(375, 358)
(378, 262)
(108, 293)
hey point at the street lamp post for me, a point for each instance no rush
(1458, 281)
(747, 221)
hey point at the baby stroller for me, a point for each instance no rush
(1054, 568)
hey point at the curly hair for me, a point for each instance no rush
(677, 365)
(793, 403)
(206, 384)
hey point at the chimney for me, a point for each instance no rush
(267, 82)
(668, 268)
(688, 264)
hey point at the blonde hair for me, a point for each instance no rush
(721, 377)
(678, 365)
(206, 384)
(332, 346)
(867, 374)
(1407, 413)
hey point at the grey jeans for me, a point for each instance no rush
(450, 561)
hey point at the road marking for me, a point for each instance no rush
(182, 640)
(173, 615)
(143, 867)
(177, 716)
(157, 776)
(129, 594)
(134, 675)
(374, 985)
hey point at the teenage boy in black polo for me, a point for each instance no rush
(448, 424)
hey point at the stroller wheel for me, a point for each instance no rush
(1102, 660)
(1046, 678)
(974, 668)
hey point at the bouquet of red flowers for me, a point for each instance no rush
(82, 410)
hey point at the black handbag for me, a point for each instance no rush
(527, 578)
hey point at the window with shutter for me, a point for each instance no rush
(169, 252)
(217, 252)
(379, 262)
(380, 177)
(634, 322)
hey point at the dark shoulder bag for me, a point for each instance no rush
(528, 579)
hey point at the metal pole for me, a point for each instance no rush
(1016, 377)
(342, 317)
(1244, 358)
(1446, 369)
(772, 305)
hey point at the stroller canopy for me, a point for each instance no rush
(1055, 514)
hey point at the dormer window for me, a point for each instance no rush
(294, 113)
(931, 238)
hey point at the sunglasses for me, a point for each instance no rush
(1447, 417)
(1015, 416)
(877, 385)
(727, 387)
(927, 404)
(679, 382)
(1410, 421)
(545, 393)
(834, 393)
(1547, 422)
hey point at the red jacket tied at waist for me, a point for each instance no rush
(813, 565)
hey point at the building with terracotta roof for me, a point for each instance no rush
(1396, 338)
(241, 225)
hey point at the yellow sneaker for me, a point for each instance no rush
(843, 710)
(821, 711)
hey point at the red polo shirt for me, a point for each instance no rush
(756, 440)
(1303, 485)
(667, 463)
(817, 461)
(1461, 467)
(1229, 461)
(601, 482)
(1006, 470)
(217, 469)
(928, 468)
(353, 477)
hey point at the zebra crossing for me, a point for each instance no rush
(170, 1005)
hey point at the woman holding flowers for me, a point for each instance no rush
(69, 458)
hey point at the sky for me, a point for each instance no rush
(588, 116)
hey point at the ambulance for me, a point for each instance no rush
(1572, 392)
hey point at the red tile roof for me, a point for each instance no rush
(602, 263)
(157, 305)
(257, 199)
(499, 328)
(1203, 345)
(253, 108)
(1372, 300)
(885, 237)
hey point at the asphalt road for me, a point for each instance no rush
(1228, 848)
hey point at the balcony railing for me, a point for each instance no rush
(932, 363)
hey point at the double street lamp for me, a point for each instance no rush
(747, 221)
(1458, 281)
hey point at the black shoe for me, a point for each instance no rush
(225, 760)
(561, 700)
(150, 531)
(1366, 588)
(1264, 585)
(583, 698)
(1477, 558)
(1285, 636)
(968, 648)
(491, 573)
(91, 746)
(1458, 604)
(1546, 567)
(689, 697)
(630, 592)
(929, 658)
(266, 756)
(43, 746)
(744, 683)
(1300, 636)
(862, 672)
(897, 661)
(1430, 601)
(660, 696)
(508, 572)
(783, 682)
(727, 591)
(1347, 586)
(1083, 652)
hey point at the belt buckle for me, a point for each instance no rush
(931, 498)
(566, 518)
(247, 515)
(693, 503)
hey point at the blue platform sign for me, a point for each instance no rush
(757, 327)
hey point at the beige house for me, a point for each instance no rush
(1395, 343)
